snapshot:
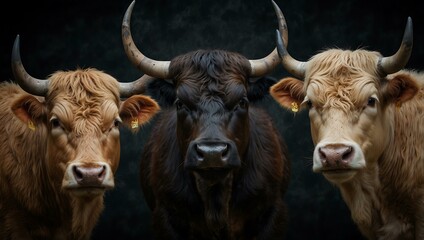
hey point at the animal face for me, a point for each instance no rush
(348, 104)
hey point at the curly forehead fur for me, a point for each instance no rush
(84, 93)
(210, 71)
(342, 78)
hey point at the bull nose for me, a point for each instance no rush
(89, 176)
(336, 155)
(206, 154)
(211, 151)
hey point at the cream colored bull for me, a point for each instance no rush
(367, 124)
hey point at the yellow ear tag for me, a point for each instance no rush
(398, 105)
(134, 123)
(294, 107)
(31, 125)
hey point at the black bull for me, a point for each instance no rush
(214, 166)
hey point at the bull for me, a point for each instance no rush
(60, 148)
(366, 123)
(214, 166)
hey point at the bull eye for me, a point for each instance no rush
(117, 122)
(242, 104)
(179, 104)
(371, 102)
(309, 104)
(55, 123)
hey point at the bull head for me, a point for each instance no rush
(160, 69)
(385, 65)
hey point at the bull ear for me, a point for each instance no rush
(29, 110)
(137, 110)
(162, 91)
(259, 88)
(400, 88)
(289, 93)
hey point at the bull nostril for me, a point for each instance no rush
(347, 154)
(102, 173)
(321, 153)
(199, 151)
(225, 151)
(77, 173)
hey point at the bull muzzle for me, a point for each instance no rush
(207, 154)
(338, 162)
(89, 178)
(336, 156)
(212, 161)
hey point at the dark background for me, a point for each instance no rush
(65, 34)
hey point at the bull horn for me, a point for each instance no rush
(263, 66)
(293, 66)
(397, 61)
(158, 69)
(28, 83)
(127, 89)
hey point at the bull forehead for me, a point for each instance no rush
(82, 85)
(342, 92)
(208, 67)
(342, 79)
(211, 92)
(84, 100)
(84, 118)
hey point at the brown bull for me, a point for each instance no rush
(214, 166)
(367, 121)
(60, 150)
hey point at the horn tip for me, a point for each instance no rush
(17, 40)
(408, 34)
(276, 8)
(15, 49)
(127, 16)
(409, 23)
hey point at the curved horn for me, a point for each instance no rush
(28, 83)
(261, 67)
(293, 66)
(158, 69)
(127, 89)
(397, 61)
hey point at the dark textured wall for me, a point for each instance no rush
(64, 34)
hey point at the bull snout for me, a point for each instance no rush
(340, 161)
(215, 152)
(88, 176)
(336, 156)
(212, 154)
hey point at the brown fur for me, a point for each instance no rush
(34, 200)
(385, 196)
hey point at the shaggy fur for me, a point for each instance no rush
(75, 123)
(350, 103)
(211, 104)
